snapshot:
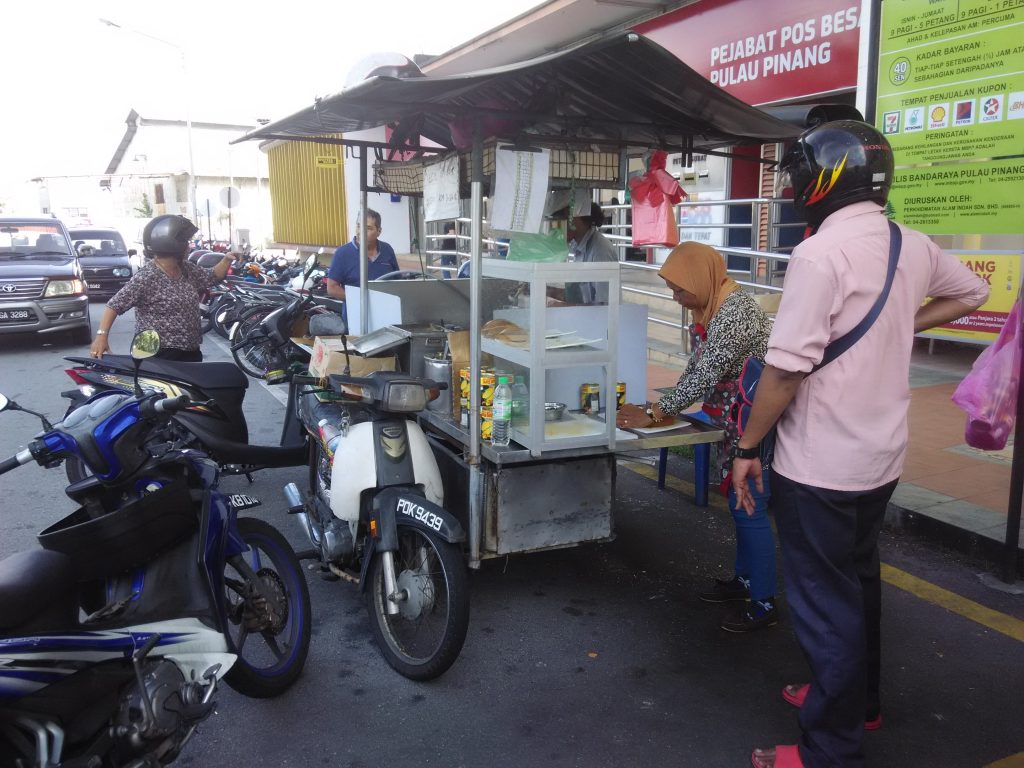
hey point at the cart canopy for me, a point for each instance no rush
(622, 89)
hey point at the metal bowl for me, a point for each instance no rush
(553, 411)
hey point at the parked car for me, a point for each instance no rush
(106, 260)
(41, 285)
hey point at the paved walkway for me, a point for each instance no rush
(957, 491)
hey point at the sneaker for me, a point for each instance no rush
(758, 615)
(736, 588)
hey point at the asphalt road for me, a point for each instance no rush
(595, 656)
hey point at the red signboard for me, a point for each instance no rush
(766, 51)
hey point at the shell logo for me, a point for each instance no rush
(938, 114)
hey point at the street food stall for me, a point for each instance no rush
(577, 114)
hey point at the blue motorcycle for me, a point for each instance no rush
(114, 635)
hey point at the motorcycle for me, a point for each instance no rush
(374, 512)
(114, 635)
(214, 424)
(261, 338)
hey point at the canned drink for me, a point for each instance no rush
(487, 384)
(590, 397)
(464, 383)
(620, 394)
(486, 423)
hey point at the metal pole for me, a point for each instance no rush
(476, 475)
(188, 131)
(364, 267)
(1009, 568)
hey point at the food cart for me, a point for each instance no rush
(587, 107)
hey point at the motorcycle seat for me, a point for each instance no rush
(37, 591)
(202, 375)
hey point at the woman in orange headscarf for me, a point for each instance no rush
(729, 326)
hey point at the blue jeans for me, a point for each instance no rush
(755, 545)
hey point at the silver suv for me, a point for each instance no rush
(41, 287)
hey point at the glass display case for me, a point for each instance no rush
(535, 327)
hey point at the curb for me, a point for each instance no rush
(960, 540)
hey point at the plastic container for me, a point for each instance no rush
(501, 413)
(520, 404)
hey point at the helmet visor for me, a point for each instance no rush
(783, 182)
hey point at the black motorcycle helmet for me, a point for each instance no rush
(167, 236)
(835, 164)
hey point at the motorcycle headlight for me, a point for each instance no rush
(122, 272)
(403, 397)
(64, 288)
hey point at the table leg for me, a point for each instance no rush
(701, 473)
(662, 466)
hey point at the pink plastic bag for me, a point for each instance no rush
(653, 195)
(988, 393)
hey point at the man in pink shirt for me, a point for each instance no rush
(842, 429)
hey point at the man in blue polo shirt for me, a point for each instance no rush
(345, 264)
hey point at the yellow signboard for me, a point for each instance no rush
(326, 161)
(1001, 270)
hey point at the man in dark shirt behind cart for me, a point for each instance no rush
(344, 269)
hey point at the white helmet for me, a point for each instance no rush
(384, 64)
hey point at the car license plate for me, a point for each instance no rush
(15, 314)
(97, 286)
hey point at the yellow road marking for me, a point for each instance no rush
(1014, 761)
(715, 499)
(951, 601)
(1000, 622)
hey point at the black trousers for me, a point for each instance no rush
(829, 542)
(180, 355)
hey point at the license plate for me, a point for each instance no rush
(15, 314)
(95, 285)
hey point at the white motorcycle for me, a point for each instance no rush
(374, 513)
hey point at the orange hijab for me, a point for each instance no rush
(699, 269)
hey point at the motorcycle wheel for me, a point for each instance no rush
(270, 658)
(425, 637)
(260, 356)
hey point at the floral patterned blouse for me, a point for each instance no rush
(739, 329)
(170, 306)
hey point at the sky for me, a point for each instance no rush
(70, 80)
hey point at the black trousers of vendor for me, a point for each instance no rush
(829, 542)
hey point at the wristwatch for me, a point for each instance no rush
(650, 412)
(100, 332)
(747, 453)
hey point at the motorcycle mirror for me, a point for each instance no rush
(6, 404)
(310, 266)
(144, 345)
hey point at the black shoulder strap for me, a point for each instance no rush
(847, 340)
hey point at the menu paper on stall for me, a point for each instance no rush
(520, 189)
(441, 190)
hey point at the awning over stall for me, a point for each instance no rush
(623, 90)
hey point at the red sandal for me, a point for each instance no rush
(779, 756)
(797, 694)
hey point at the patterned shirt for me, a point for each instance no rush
(739, 329)
(170, 306)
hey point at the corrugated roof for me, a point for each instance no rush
(623, 89)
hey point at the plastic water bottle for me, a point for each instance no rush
(502, 412)
(520, 403)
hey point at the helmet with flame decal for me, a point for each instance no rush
(835, 164)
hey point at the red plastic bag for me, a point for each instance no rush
(653, 195)
(988, 394)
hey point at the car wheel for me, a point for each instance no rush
(82, 335)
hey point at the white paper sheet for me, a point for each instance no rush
(441, 190)
(520, 189)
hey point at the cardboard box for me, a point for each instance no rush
(329, 357)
